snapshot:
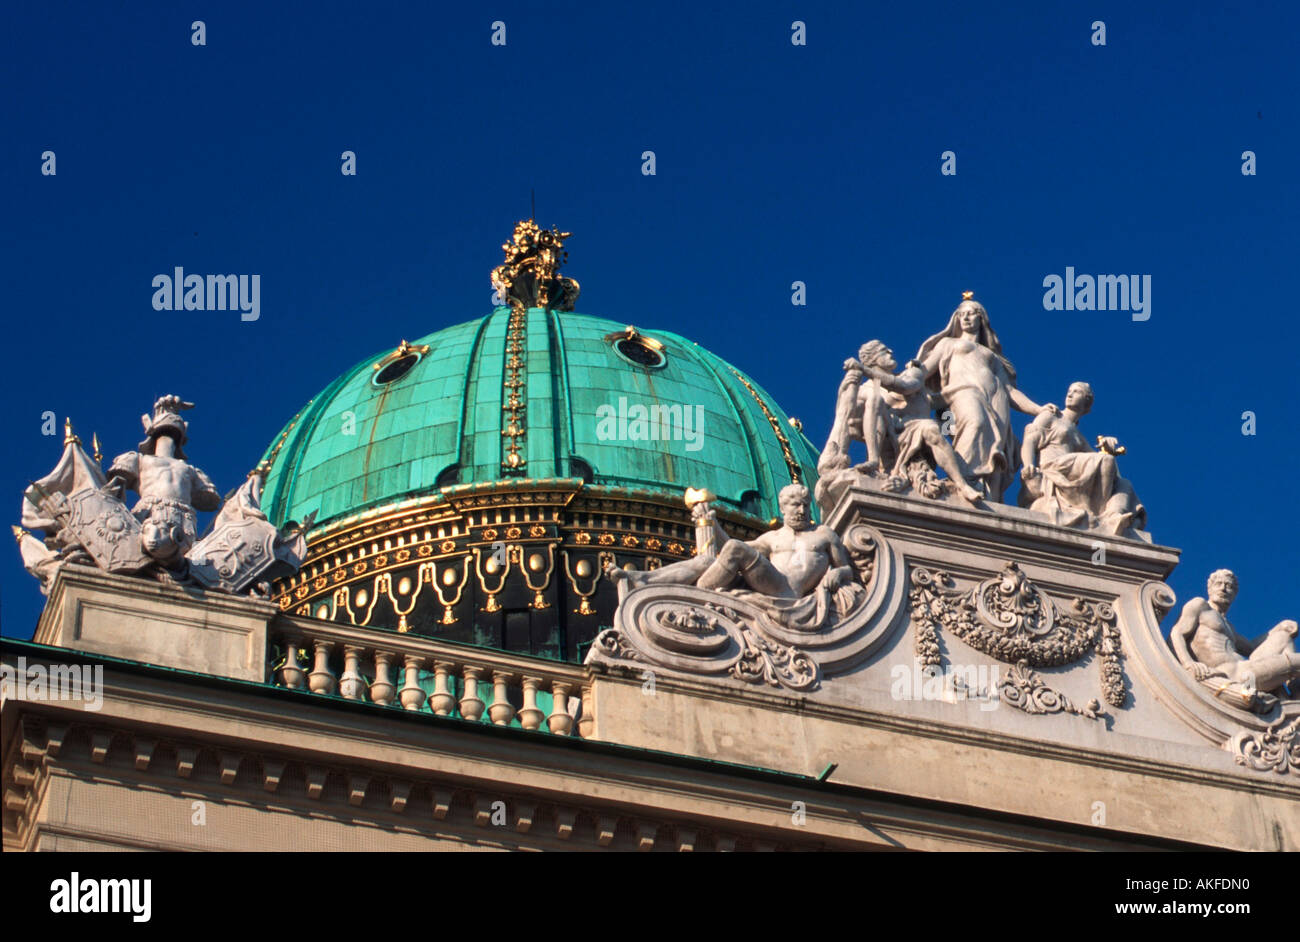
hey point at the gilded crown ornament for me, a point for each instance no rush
(530, 275)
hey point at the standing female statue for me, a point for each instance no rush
(964, 365)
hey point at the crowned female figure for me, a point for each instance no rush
(965, 367)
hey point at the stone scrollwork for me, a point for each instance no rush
(775, 663)
(738, 632)
(1275, 749)
(1011, 619)
(610, 644)
(861, 544)
(689, 630)
(1025, 690)
(929, 607)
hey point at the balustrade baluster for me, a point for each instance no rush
(291, 673)
(560, 722)
(500, 712)
(471, 707)
(321, 679)
(382, 690)
(530, 717)
(587, 717)
(442, 702)
(412, 694)
(352, 686)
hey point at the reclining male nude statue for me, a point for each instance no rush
(788, 563)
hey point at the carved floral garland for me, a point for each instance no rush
(1011, 619)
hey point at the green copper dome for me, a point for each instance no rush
(593, 400)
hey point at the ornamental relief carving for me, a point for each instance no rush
(709, 638)
(1275, 749)
(681, 621)
(1009, 618)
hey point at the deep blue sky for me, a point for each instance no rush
(775, 163)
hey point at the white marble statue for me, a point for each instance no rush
(85, 521)
(910, 429)
(1065, 479)
(964, 365)
(788, 563)
(1248, 673)
(170, 488)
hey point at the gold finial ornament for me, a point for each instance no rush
(69, 437)
(19, 532)
(699, 495)
(403, 349)
(968, 295)
(94, 444)
(530, 276)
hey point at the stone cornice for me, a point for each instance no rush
(71, 576)
(1120, 759)
(704, 810)
(1008, 533)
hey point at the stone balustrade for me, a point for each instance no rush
(428, 675)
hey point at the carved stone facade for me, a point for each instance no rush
(1010, 619)
(550, 663)
(312, 762)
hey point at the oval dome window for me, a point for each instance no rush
(395, 370)
(640, 350)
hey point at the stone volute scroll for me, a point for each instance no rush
(83, 516)
(1274, 749)
(785, 609)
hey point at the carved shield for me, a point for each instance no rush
(105, 528)
(233, 555)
